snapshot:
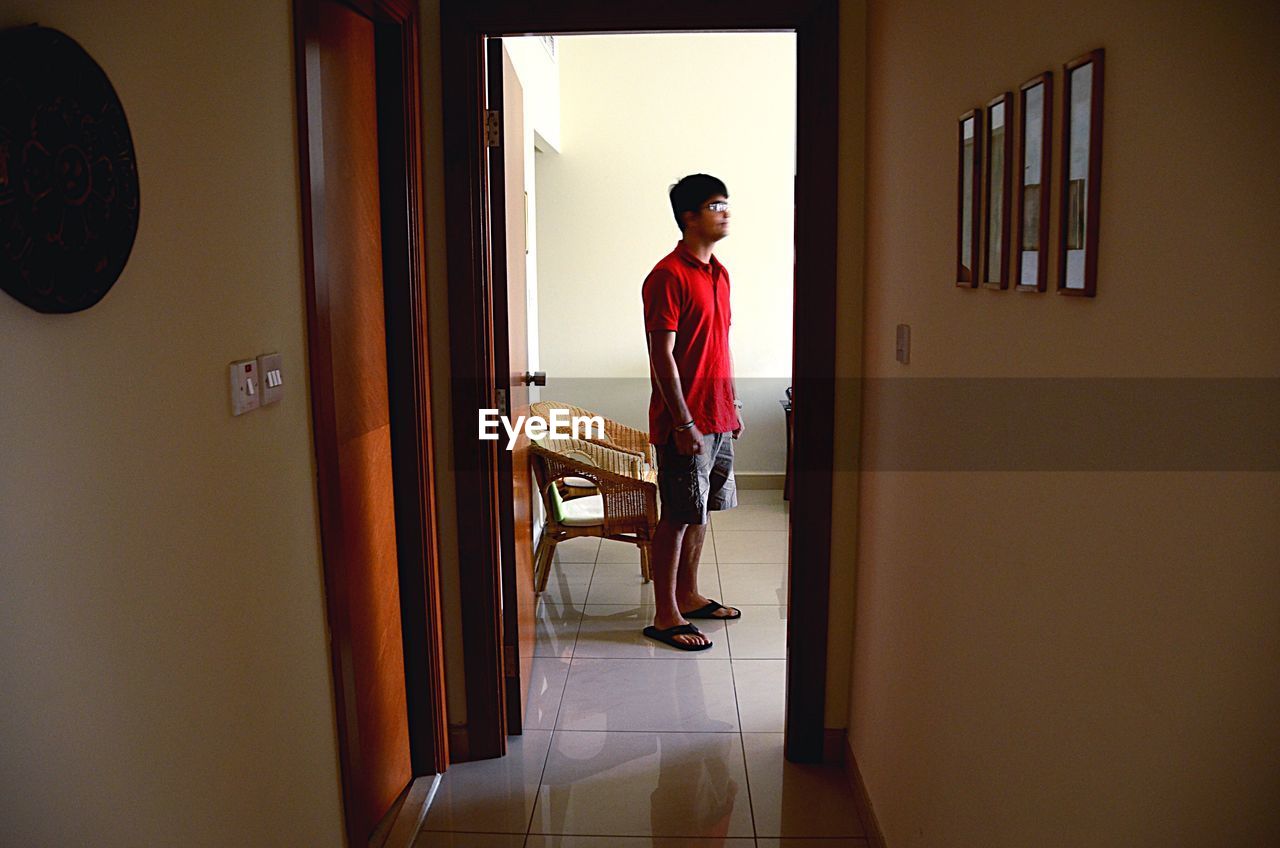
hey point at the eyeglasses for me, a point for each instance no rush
(718, 206)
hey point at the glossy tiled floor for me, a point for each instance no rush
(632, 744)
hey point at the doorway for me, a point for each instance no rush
(608, 125)
(359, 119)
(474, 313)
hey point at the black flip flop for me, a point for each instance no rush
(709, 611)
(667, 637)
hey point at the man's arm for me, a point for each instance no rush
(663, 362)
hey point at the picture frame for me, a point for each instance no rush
(1035, 145)
(996, 195)
(1080, 187)
(968, 206)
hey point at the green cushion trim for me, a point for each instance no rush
(557, 505)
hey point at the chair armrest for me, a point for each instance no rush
(607, 468)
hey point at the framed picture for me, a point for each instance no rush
(1035, 116)
(996, 195)
(1081, 175)
(969, 144)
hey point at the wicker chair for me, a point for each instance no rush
(616, 435)
(624, 507)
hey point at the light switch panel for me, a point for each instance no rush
(246, 394)
(272, 375)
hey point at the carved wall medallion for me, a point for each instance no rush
(68, 175)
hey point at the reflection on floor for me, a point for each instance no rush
(632, 744)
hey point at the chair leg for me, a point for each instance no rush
(542, 562)
(646, 568)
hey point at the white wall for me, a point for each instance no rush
(539, 75)
(637, 113)
(162, 629)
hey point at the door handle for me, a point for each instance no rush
(534, 378)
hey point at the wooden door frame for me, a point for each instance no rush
(465, 24)
(399, 108)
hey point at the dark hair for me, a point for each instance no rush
(690, 193)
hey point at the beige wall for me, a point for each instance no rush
(1075, 657)
(637, 113)
(162, 632)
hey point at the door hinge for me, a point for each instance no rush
(511, 660)
(502, 403)
(492, 128)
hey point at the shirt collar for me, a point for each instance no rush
(688, 258)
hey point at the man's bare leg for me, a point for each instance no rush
(665, 560)
(687, 595)
(688, 598)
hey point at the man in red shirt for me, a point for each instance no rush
(694, 414)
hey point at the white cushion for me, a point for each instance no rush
(579, 482)
(584, 512)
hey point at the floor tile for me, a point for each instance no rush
(492, 796)
(555, 841)
(564, 592)
(761, 687)
(640, 784)
(744, 583)
(749, 517)
(761, 634)
(763, 497)
(789, 799)
(546, 686)
(613, 631)
(812, 843)
(581, 549)
(619, 552)
(573, 572)
(617, 588)
(653, 695)
(556, 628)
(751, 546)
(443, 839)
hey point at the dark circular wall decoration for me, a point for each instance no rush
(68, 177)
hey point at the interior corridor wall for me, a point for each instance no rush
(637, 113)
(1056, 655)
(162, 628)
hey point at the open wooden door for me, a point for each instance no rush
(511, 363)
(358, 118)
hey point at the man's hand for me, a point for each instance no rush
(741, 428)
(688, 442)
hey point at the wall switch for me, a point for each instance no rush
(245, 391)
(271, 371)
(903, 347)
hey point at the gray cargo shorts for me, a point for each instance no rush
(689, 486)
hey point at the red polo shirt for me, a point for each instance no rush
(691, 297)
